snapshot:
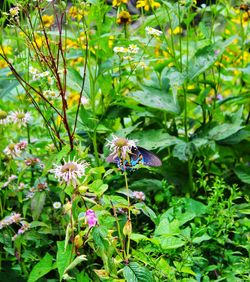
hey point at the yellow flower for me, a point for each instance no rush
(117, 3)
(7, 50)
(177, 30)
(47, 20)
(147, 4)
(73, 99)
(124, 18)
(78, 13)
(3, 64)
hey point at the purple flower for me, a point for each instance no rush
(91, 218)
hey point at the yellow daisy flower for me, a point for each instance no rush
(147, 4)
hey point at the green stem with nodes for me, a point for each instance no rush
(129, 216)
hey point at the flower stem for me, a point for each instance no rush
(129, 216)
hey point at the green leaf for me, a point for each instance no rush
(243, 173)
(168, 242)
(198, 240)
(153, 139)
(98, 187)
(44, 266)
(137, 273)
(147, 211)
(37, 204)
(223, 131)
(138, 237)
(63, 257)
(75, 262)
(156, 99)
(167, 228)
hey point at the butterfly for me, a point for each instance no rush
(138, 155)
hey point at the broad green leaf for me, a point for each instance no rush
(37, 204)
(63, 257)
(44, 266)
(182, 151)
(206, 57)
(192, 205)
(153, 139)
(243, 172)
(156, 99)
(223, 131)
(168, 242)
(198, 240)
(138, 237)
(147, 211)
(133, 272)
(98, 187)
(167, 228)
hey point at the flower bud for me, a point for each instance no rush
(127, 229)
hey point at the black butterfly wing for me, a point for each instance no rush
(149, 158)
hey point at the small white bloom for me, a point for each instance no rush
(20, 118)
(70, 171)
(153, 31)
(120, 49)
(120, 146)
(14, 11)
(133, 49)
(84, 100)
(50, 94)
(57, 205)
(142, 65)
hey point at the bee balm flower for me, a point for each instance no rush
(70, 171)
(120, 146)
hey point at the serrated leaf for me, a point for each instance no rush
(44, 266)
(137, 273)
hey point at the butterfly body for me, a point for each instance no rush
(138, 155)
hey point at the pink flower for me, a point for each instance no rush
(91, 218)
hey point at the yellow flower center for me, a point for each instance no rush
(68, 167)
(11, 146)
(120, 142)
(20, 115)
(3, 115)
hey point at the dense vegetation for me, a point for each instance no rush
(125, 138)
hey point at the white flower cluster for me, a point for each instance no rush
(36, 74)
(131, 49)
(153, 32)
